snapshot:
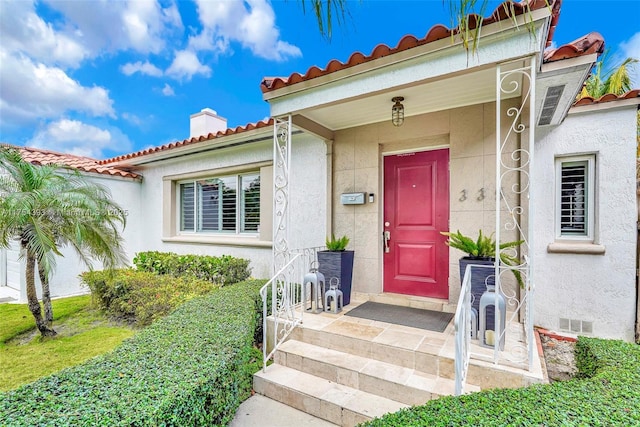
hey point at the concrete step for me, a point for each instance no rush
(429, 356)
(408, 351)
(399, 383)
(336, 403)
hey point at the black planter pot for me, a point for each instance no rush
(480, 278)
(337, 264)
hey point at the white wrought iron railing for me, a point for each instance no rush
(518, 322)
(462, 325)
(281, 303)
(282, 299)
(515, 138)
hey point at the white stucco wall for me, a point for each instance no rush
(3, 267)
(208, 162)
(307, 196)
(308, 192)
(581, 287)
(13, 278)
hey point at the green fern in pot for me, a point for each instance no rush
(484, 248)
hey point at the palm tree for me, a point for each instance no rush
(48, 207)
(605, 79)
(616, 80)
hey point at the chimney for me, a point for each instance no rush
(205, 122)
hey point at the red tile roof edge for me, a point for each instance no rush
(437, 32)
(609, 97)
(189, 141)
(40, 156)
(585, 45)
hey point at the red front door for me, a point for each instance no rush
(416, 210)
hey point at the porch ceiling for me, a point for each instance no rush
(440, 94)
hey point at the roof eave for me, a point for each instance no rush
(415, 52)
(608, 105)
(214, 143)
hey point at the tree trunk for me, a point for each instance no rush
(32, 297)
(46, 295)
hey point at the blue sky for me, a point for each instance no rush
(103, 78)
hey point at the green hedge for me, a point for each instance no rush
(191, 368)
(606, 394)
(223, 270)
(140, 296)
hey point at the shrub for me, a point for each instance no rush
(190, 368)
(140, 296)
(605, 395)
(222, 270)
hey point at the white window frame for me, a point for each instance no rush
(590, 195)
(240, 208)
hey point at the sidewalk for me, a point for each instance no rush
(260, 411)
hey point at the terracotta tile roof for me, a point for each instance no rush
(39, 156)
(585, 45)
(190, 141)
(437, 32)
(587, 100)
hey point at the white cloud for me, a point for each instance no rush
(168, 90)
(146, 68)
(32, 91)
(132, 118)
(251, 23)
(631, 49)
(185, 65)
(75, 137)
(21, 30)
(142, 26)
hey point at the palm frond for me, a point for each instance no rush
(618, 81)
(47, 207)
(327, 12)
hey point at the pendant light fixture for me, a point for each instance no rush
(397, 111)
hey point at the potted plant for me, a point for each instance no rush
(337, 262)
(482, 251)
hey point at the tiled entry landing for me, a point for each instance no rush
(348, 370)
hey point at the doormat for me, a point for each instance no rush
(407, 316)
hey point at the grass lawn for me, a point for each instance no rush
(83, 332)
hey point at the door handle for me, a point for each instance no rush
(387, 237)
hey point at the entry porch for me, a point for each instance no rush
(347, 369)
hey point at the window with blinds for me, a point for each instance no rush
(216, 205)
(575, 204)
(187, 198)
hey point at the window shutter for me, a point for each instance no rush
(229, 193)
(209, 195)
(187, 207)
(229, 204)
(573, 203)
(250, 203)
